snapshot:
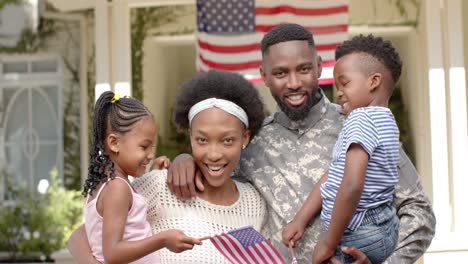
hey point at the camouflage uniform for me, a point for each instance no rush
(287, 158)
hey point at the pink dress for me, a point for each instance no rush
(136, 228)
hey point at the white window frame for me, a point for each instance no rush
(31, 80)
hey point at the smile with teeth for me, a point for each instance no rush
(215, 170)
(295, 99)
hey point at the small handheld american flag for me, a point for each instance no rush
(246, 245)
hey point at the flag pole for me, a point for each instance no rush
(291, 251)
(204, 238)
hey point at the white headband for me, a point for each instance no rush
(222, 104)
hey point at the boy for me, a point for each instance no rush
(355, 195)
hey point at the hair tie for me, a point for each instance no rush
(115, 98)
(225, 105)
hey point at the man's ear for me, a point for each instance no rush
(375, 81)
(319, 66)
(112, 142)
(263, 74)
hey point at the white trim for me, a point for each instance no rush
(458, 114)
(438, 116)
(102, 44)
(382, 31)
(120, 45)
(69, 6)
(100, 88)
(148, 3)
(449, 242)
(122, 88)
(174, 40)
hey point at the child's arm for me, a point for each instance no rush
(346, 201)
(117, 199)
(311, 208)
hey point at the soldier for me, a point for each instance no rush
(294, 147)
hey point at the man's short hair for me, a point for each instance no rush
(284, 33)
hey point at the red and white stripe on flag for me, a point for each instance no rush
(246, 245)
(229, 32)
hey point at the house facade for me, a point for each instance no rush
(431, 36)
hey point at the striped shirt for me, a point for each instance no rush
(373, 128)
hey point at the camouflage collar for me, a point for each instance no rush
(316, 113)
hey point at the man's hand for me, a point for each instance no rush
(160, 163)
(182, 177)
(292, 232)
(359, 257)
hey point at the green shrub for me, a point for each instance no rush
(32, 223)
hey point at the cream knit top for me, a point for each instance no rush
(197, 218)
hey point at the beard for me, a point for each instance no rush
(296, 113)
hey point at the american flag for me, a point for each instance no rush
(229, 31)
(246, 245)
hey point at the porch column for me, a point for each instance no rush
(437, 114)
(458, 115)
(121, 48)
(101, 26)
(449, 130)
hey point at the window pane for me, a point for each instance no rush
(45, 161)
(17, 165)
(16, 120)
(16, 135)
(44, 116)
(44, 66)
(15, 67)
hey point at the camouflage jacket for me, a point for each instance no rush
(287, 158)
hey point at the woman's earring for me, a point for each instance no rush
(243, 146)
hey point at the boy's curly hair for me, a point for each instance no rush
(378, 48)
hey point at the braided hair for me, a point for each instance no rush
(111, 114)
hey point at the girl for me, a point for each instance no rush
(115, 214)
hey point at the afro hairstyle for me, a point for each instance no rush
(222, 85)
